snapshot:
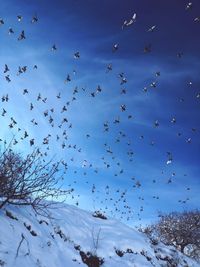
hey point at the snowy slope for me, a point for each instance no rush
(63, 241)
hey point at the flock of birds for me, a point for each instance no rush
(106, 199)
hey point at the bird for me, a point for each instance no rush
(19, 18)
(179, 54)
(3, 112)
(188, 6)
(98, 89)
(4, 98)
(109, 68)
(39, 97)
(157, 73)
(152, 28)
(7, 77)
(31, 106)
(1, 21)
(68, 79)
(53, 48)
(10, 31)
(156, 123)
(169, 158)
(58, 95)
(153, 84)
(147, 49)
(129, 22)
(25, 91)
(21, 36)
(173, 120)
(115, 47)
(32, 141)
(77, 55)
(34, 19)
(123, 91)
(197, 19)
(6, 69)
(93, 94)
(145, 89)
(123, 107)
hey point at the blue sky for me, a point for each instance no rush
(92, 28)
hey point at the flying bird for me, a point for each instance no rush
(34, 19)
(21, 36)
(152, 28)
(19, 18)
(129, 22)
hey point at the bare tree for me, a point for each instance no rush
(29, 180)
(178, 229)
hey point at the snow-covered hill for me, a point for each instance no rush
(73, 237)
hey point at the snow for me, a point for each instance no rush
(56, 238)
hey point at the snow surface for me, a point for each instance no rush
(53, 241)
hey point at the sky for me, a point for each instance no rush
(124, 163)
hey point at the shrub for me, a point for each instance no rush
(99, 215)
(29, 180)
(181, 230)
